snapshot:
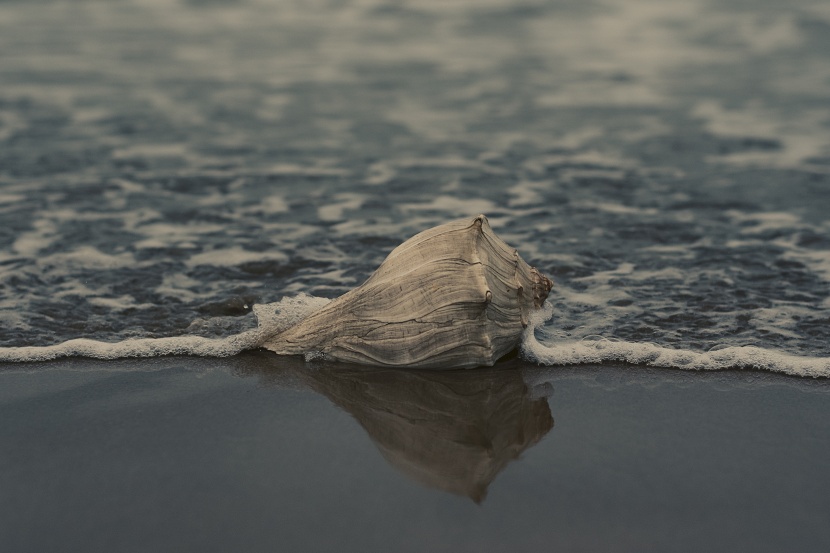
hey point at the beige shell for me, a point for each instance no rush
(454, 296)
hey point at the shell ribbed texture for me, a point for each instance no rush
(454, 296)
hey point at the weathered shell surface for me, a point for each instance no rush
(454, 296)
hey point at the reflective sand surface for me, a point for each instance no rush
(260, 454)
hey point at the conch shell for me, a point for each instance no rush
(454, 296)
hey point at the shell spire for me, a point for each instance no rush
(453, 296)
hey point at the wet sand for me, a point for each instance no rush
(258, 453)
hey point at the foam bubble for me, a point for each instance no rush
(594, 350)
(288, 312)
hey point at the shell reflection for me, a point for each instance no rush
(449, 430)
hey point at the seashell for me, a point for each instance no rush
(454, 296)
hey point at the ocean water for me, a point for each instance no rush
(166, 166)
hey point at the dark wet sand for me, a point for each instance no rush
(260, 454)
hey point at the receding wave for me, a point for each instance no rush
(596, 350)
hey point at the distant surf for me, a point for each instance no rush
(275, 317)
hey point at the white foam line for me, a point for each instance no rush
(142, 347)
(604, 350)
(271, 318)
(291, 310)
(743, 357)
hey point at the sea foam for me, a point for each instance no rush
(596, 350)
(271, 319)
